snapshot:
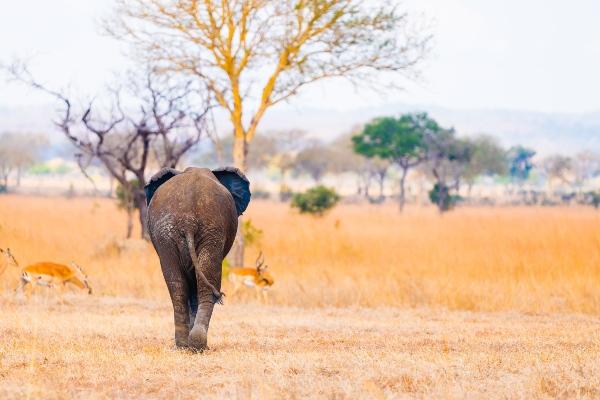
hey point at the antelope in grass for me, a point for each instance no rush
(49, 274)
(257, 277)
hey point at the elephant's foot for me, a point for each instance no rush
(181, 336)
(197, 338)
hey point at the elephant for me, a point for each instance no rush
(192, 221)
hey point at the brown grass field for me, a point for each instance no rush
(367, 303)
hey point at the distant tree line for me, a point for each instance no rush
(127, 141)
(395, 146)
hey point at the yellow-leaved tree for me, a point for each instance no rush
(254, 54)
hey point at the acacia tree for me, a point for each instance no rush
(254, 54)
(400, 140)
(488, 158)
(164, 120)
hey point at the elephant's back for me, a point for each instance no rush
(194, 199)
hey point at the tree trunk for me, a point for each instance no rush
(111, 184)
(443, 193)
(381, 186)
(402, 180)
(139, 198)
(18, 177)
(129, 221)
(240, 152)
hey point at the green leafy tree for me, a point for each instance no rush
(316, 200)
(487, 158)
(520, 163)
(400, 140)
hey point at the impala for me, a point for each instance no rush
(257, 278)
(49, 274)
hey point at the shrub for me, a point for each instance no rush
(3, 188)
(593, 198)
(124, 198)
(225, 268)
(449, 200)
(252, 234)
(316, 200)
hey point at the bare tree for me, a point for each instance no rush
(288, 144)
(448, 159)
(586, 165)
(557, 167)
(343, 158)
(17, 152)
(165, 120)
(316, 161)
(378, 169)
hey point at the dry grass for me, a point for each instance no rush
(367, 303)
(103, 348)
(490, 259)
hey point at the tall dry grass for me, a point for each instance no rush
(527, 259)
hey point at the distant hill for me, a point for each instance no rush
(547, 133)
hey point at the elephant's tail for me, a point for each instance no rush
(218, 296)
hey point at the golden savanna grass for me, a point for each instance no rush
(526, 259)
(367, 303)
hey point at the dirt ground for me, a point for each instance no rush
(102, 347)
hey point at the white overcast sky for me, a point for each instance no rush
(538, 55)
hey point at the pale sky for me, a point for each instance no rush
(537, 55)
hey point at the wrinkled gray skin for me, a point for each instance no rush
(192, 207)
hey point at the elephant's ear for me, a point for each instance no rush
(237, 184)
(158, 179)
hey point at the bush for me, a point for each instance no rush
(449, 200)
(593, 198)
(124, 198)
(316, 200)
(252, 234)
(225, 268)
(3, 189)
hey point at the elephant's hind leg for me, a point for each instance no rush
(179, 291)
(208, 263)
(180, 299)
